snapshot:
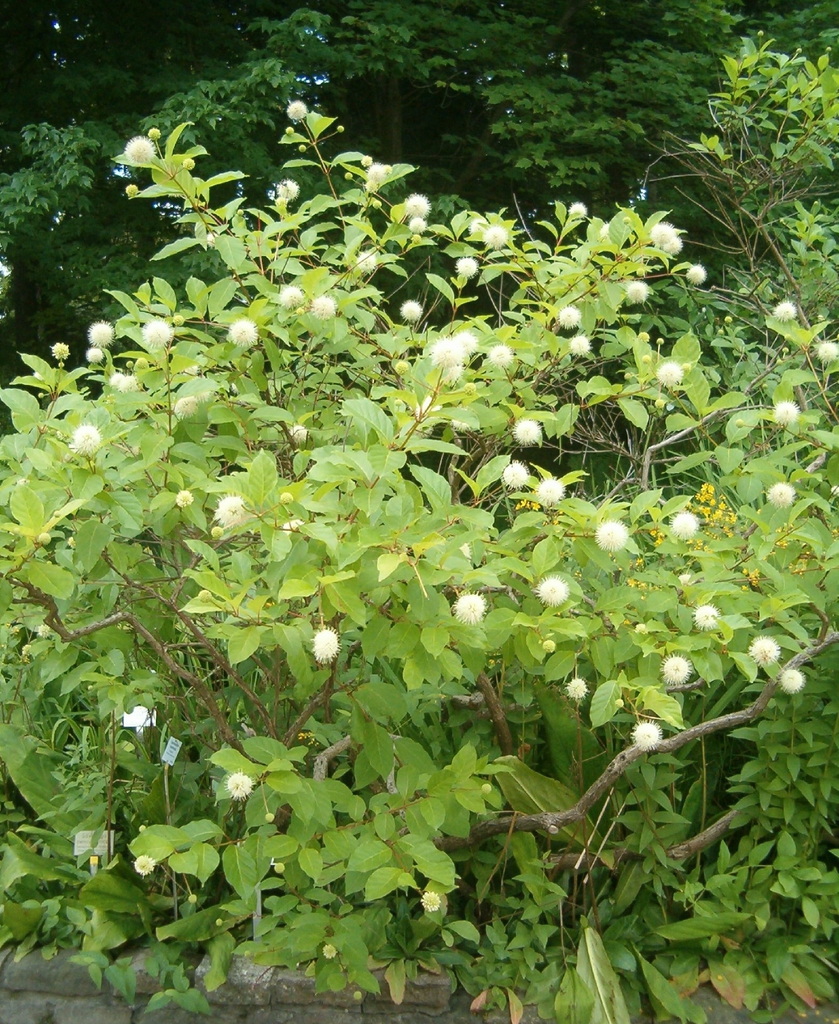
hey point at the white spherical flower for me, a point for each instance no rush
(157, 333)
(329, 951)
(86, 441)
(568, 317)
(665, 237)
(696, 274)
(324, 307)
(469, 609)
(684, 525)
(550, 491)
(501, 356)
(553, 591)
(669, 374)
(781, 495)
(786, 414)
(468, 341)
(243, 332)
(578, 210)
(448, 353)
(100, 334)
(183, 499)
(576, 689)
(410, 311)
(611, 536)
(366, 161)
(325, 644)
(417, 205)
(416, 225)
(477, 226)
(144, 865)
(291, 296)
(431, 901)
(296, 110)
(185, 407)
(515, 476)
(579, 345)
(140, 150)
(646, 735)
(706, 616)
(765, 651)
(791, 680)
(123, 382)
(637, 292)
(298, 434)
(239, 785)
(466, 267)
(60, 351)
(496, 237)
(827, 352)
(527, 432)
(367, 262)
(785, 312)
(676, 670)
(94, 355)
(230, 511)
(376, 176)
(288, 189)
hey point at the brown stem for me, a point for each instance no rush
(496, 713)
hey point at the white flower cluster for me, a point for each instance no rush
(325, 646)
(527, 432)
(243, 333)
(239, 785)
(553, 591)
(291, 296)
(550, 492)
(665, 237)
(466, 267)
(410, 311)
(86, 441)
(576, 689)
(470, 609)
(515, 476)
(230, 511)
(611, 536)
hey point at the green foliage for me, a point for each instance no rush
(465, 619)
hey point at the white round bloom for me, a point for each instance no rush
(230, 511)
(243, 332)
(144, 865)
(60, 351)
(466, 267)
(684, 525)
(785, 312)
(123, 382)
(298, 434)
(417, 205)
(431, 901)
(140, 150)
(676, 670)
(764, 651)
(183, 499)
(325, 644)
(324, 307)
(496, 237)
(637, 292)
(527, 432)
(448, 353)
(569, 316)
(416, 225)
(86, 441)
(576, 689)
(239, 785)
(94, 355)
(827, 352)
(706, 616)
(665, 237)
(578, 210)
(781, 495)
(291, 296)
(501, 356)
(646, 735)
(786, 413)
(468, 340)
(185, 407)
(296, 110)
(288, 189)
(157, 333)
(696, 274)
(367, 262)
(470, 609)
(579, 345)
(550, 491)
(376, 176)
(515, 476)
(100, 334)
(329, 951)
(669, 374)
(611, 536)
(553, 591)
(791, 680)
(410, 311)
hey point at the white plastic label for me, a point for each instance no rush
(83, 841)
(171, 751)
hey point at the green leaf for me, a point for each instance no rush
(244, 866)
(367, 416)
(198, 927)
(663, 993)
(635, 412)
(574, 1002)
(27, 509)
(378, 746)
(702, 927)
(383, 881)
(262, 478)
(110, 891)
(200, 860)
(50, 578)
(243, 643)
(21, 919)
(92, 538)
(220, 948)
(31, 768)
(597, 974)
(604, 703)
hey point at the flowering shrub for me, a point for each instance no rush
(453, 607)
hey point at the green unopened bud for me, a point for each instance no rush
(204, 595)
(548, 646)
(660, 403)
(279, 867)
(416, 238)
(402, 367)
(269, 816)
(729, 319)
(44, 538)
(340, 129)
(687, 367)
(470, 388)
(141, 364)
(646, 359)
(178, 320)
(216, 532)
(618, 703)
(142, 828)
(192, 898)
(486, 789)
(349, 176)
(376, 204)
(286, 498)
(131, 191)
(358, 995)
(219, 922)
(188, 164)
(740, 422)
(643, 336)
(302, 147)
(154, 134)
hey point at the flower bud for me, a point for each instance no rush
(470, 388)
(486, 789)
(216, 532)
(302, 147)
(349, 176)
(358, 995)
(548, 646)
(279, 867)
(131, 191)
(618, 703)
(44, 538)
(154, 134)
(178, 320)
(660, 403)
(219, 922)
(402, 367)
(729, 319)
(289, 130)
(269, 817)
(192, 898)
(286, 498)
(340, 129)
(188, 164)
(142, 828)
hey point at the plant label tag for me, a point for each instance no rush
(83, 841)
(171, 751)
